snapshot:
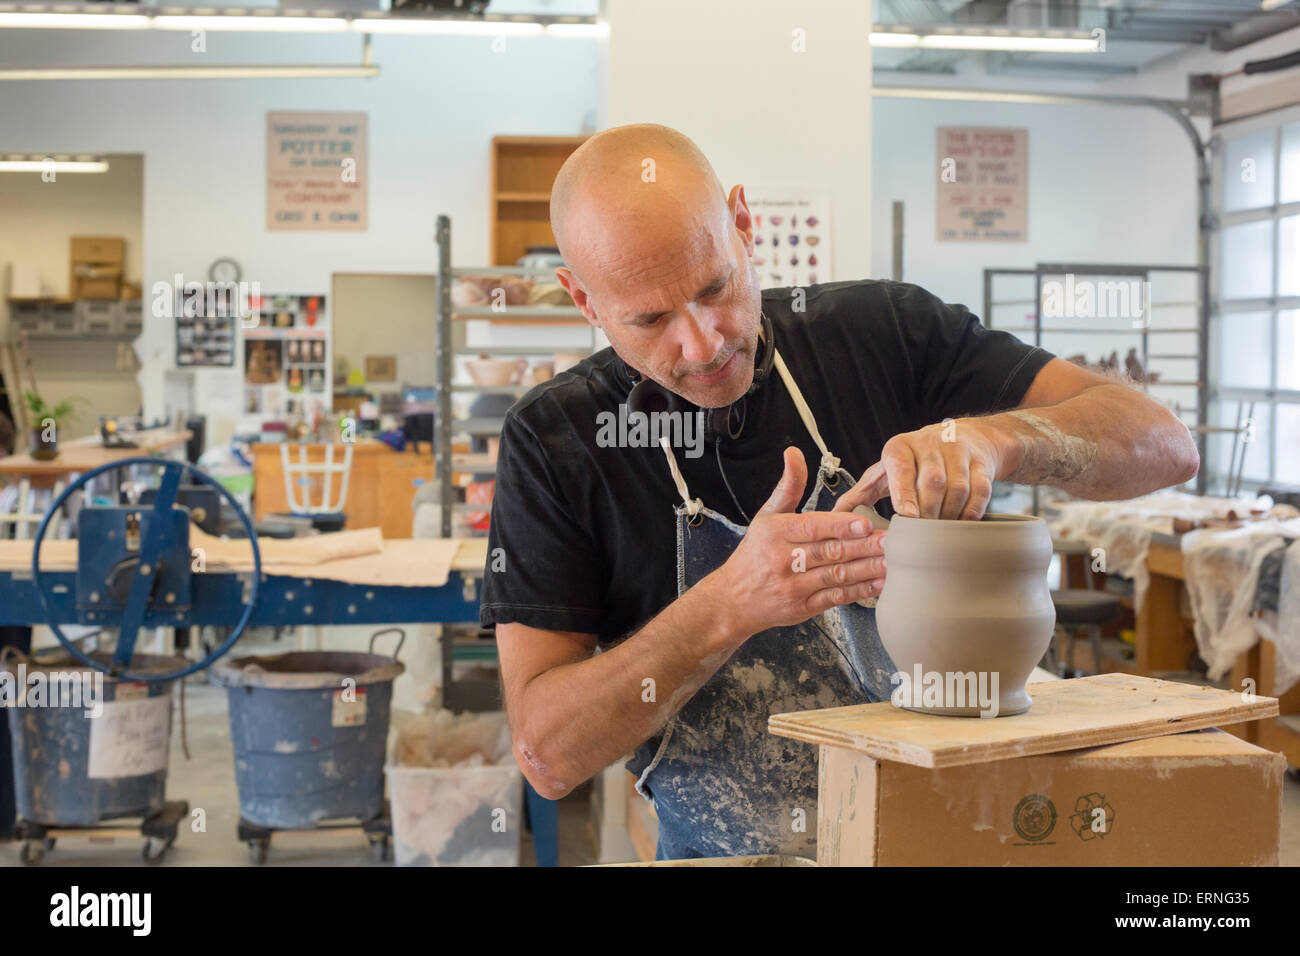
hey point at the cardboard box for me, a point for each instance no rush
(1204, 798)
(96, 267)
(110, 288)
(101, 249)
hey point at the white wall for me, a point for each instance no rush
(724, 73)
(1105, 184)
(432, 114)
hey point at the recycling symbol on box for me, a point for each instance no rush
(1093, 817)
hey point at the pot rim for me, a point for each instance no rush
(989, 519)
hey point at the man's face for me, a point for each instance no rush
(683, 308)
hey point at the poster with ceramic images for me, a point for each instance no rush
(792, 236)
(287, 357)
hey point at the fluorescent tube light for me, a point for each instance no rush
(54, 166)
(186, 72)
(1006, 42)
(448, 27)
(279, 24)
(76, 21)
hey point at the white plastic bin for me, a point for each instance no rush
(470, 816)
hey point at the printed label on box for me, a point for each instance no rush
(349, 707)
(129, 739)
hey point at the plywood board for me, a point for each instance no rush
(1066, 715)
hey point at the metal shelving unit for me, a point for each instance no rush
(1140, 337)
(447, 462)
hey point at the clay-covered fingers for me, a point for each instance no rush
(827, 598)
(957, 487)
(871, 487)
(844, 574)
(812, 527)
(931, 482)
(830, 551)
(901, 466)
(981, 493)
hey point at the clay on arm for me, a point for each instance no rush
(1093, 437)
(573, 714)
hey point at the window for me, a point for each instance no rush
(1254, 345)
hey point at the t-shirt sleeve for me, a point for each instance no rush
(958, 366)
(543, 569)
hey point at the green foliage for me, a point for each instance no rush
(41, 410)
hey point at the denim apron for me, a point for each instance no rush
(721, 784)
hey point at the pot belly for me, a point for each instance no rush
(958, 664)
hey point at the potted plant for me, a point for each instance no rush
(46, 421)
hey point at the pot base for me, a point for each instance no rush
(1008, 706)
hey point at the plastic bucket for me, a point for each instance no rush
(87, 747)
(310, 729)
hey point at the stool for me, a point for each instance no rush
(1082, 609)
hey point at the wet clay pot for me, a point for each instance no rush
(966, 612)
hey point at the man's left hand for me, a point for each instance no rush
(944, 470)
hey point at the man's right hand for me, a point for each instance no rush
(791, 566)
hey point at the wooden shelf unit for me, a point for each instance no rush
(523, 169)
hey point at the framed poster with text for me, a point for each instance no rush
(982, 190)
(316, 171)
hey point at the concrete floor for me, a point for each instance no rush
(207, 781)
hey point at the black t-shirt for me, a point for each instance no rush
(588, 532)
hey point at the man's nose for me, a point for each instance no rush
(701, 339)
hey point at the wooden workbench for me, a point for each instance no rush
(380, 490)
(88, 453)
(1165, 643)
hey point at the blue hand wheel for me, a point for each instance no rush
(142, 584)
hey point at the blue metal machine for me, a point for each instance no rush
(135, 570)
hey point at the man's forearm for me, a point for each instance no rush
(1108, 442)
(584, 716)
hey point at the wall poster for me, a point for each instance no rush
(983, 193)
(316, 171)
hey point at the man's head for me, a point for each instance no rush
(658, 258)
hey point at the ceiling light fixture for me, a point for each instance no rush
(1008, 41)
(47, 164)
(269, 72)
(255, 24)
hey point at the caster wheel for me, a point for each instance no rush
(381, 850)
(154, 848)
(258, 850)
(33, 852)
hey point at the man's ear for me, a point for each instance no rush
(578, 294)
(741, 216)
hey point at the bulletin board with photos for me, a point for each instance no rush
(287, 357)
(204, 340)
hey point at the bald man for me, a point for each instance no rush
(669, 582)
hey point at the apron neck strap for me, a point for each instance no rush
(829, 464)
(693, 505)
